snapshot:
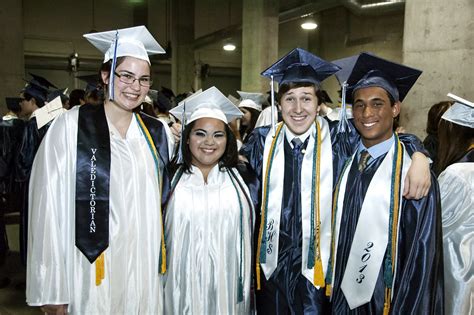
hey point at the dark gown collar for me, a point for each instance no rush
(468, 157)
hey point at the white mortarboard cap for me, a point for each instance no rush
(210, 103)
(252, 100)
(133, 41)
(461, 112)
(233, 99)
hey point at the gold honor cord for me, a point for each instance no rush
(263, 220)
(318, 277)
(155, 157)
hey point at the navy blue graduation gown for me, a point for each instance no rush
(418, 287)
(287, 290)
(11, 132)
(29, 145)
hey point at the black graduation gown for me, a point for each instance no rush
(418, 286)
(11, 132)
(288, 291)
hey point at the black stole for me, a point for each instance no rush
(93, 177)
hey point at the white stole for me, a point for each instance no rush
(275, 193)
(371, 236)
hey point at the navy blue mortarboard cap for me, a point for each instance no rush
(38, 87)
(300, 65)
(160, 100)
(92, 81)
(346, 64)
(59, 92)
(370, 71)
(42, 81)
(13, 103)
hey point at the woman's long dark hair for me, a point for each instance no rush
(434, 116)
(454, 142)
(228, 159)
(246, 130)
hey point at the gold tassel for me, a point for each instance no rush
(258, 276)
(99, 269)
(386, 304)
(318, 274)
(328, 290)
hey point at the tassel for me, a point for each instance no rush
(240, 293)
(318, 273)
(258, 276)
(328, 290)
(386, 304)
(99, 269)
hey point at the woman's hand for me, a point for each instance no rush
(54, 309)
(418, 179)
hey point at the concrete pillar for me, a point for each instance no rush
(182, 59)
(259, 42)
(12, 64)
(438, 39)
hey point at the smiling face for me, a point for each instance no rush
(299, 108)
(129, 96)
(374, 114)
(207, 142)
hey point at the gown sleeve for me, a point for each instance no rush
(51, 206)
(253, 149)
(457, 202)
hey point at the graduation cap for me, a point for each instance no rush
(159, 100)
(167, 92)
(38, 87)
(346, 65)
(252, 100)
(13, 103)
(461, 112)
(133, 41)
(233, 99)
(370, 70)
(92, 81)
(325, 97)
(300, 65)
(59, 92)
(210, 103)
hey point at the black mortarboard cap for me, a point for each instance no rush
(300, 65)
(13, 103)
(370, 70)
(346, 64)
(325, 97)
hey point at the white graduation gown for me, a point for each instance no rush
(202, 231)
(457, 204)
(57, 272)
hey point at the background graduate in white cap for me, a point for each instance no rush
(456, 184)
(95, 241)
(210, 215)
(251, 106)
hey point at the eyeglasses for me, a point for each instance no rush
(130, 79)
